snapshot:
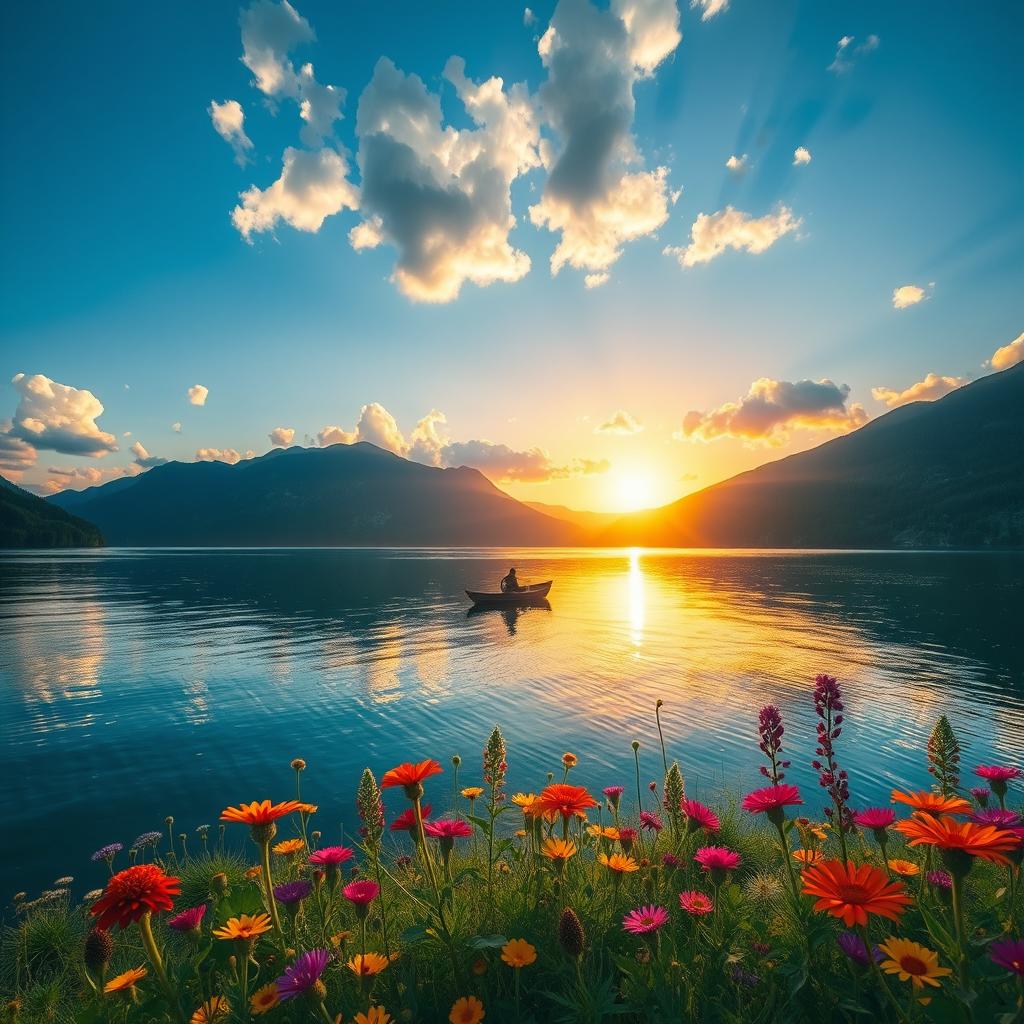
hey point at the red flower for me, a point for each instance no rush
(362, 893)
(446, 828)
(852, 892)
(260, 812)
(875, 817)
(995, 773)
(410, 775)
(138, 890)
(699, 815)
(771, 798)
(406, 821)
(331, 856)
(568, 801)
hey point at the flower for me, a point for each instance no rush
(467, 1010)
(645, 920)
(411, 777)
(934, 803)
(912, 962)
(807, 856)
(244, 928)
(264, 999)
(303, 974)
(853, 946)
(288, 846)
(875, 818)
(447, 828)
(606, 832)
(614, 794)
(406, 821)
(763, 887)
(361, 893)
(147, 839)
(696, 903)
(213, 1010)
(108, 852)
(981, 794)
(627, 837)
(261, 812)
(906, 868)
(558, 849)
(996, 816)
(138, 890)
(125, 981)
(290, 893)
(771, 800)
(618, 863)
(331, 856)
(940, 879)
(995, 773)
(518, 953)
(373, 1015)
(570, 934)
(852, 893)
(473, 792)
(651, 821)
(769, 728)
(569, 760)
(959, 838)
(99, 948)
(188, 920)
(368, 964)
(568, 801)
(252, 872)
(717, 858)
(1008, 954)
(699, 816)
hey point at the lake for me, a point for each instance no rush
(135, 684)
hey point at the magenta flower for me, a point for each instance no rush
(361, 893)
(769, 728)
(188, 920)
(981, 794)
(940, 879)
(699, 816)
(996, 816)
(290, 893)
(303, 974)
(995, 773)
(717, 860)
(447, 828)
(627, 837)
(614, 794)
(650, 821)
(828, 704)
(331, 856)
(771, 800)
(1008, 954)
(645, 920)
(853, 946)
(875, 817)
(671, 861)
(696, 903)
(406, 821)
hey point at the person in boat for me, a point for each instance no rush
(510, 583)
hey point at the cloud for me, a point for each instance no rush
(62, 478)
(593, 197)
(502, 464)
(176, 427)
(228, 455)
(16, 455)
(144, 459)
(269, 32)
(281, 437)
(1008, 355)
(335, 435)
(197, 394)
(846, 52)
(713, 233)
(907, 295)
(319, 107)
(229, 122)
(59, 418)
(440, 195)
(772, 408)
(621, 423)
(528, 17)
(709, 8)
(737, 164)
(596, 280)
(933, 386)
(801, 156)
(312, 187)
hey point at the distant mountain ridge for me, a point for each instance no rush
(29, 522)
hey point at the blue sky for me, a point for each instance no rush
(121, 265)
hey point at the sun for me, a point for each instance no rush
(631, 491)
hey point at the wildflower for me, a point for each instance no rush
(365, 965)
(287, 847)
(527, 803)
(137, 890)
(699, 816)
(303, 975)
(495, 764)
(717, 860)
(331, 856)
(852, 893)
(259, 812)
(696, 903)
(806, 857)
(603, 832)
(671, 861)
(518, 953)
(940, 879)
(959, 841)
(467, 1010)
(741, 976)
(146, 840)
(473, 792)
(188, 920)
(627, 837)
(99, 948)
(447, 829)
(291, 893)
(618, 864)
(92, 895)
(252, 872)
(875, 818)
(298, 764)
(570, 934)
(673, 795)
(569, 760)
(771, 800)
(932, 803)
(828, 704)
(614, 795)
(996, 816)
(127, 981)
(994, 773)
(944, 757)
(912, 962)
(411, 777)
(558, 849)
(244, 928)
(370, 808)
(651, 821)
(769, 728)
(406, 821)
(981, 794)
(212, 1011)
(566, 800)
(1008, 954)
(906, 868)
(108, 852)
(645, 920)
(853, 946)
(361, 895)
(373, 1015)
(264, 999)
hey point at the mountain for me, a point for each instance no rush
(29, 522)
(357, 495)
(938, 474)
(591, 522)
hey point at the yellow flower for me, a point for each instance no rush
(907, 868)
(820, 832)
(472, 792)
(374, 1015)
(912, 962)
(618, 863)
(569, 760)
(244, 928)
(525, 801)
(254, 872)
(264, 999)
(340, 938)
(288, 846)
(367, 965)
(518, 953)
(308, 808)
(125, 981)
(807, 856)
(212, 1011)
(467, 1010)
(559, 849)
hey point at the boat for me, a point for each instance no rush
(525, 595)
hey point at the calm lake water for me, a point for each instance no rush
(135, 684)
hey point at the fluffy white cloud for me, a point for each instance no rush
(197, 394)
(59, 418)
(176, 427)
(269, 32)
(1008, 355)
(16, 455)
(502, 464)
(771, 408)
(933, 386)
(620, 422)
(144, 459)
(229, 122)
(713, 233)
(737, 164)
(312, 187)
(62, 478)
(847, 53)
(319, 107)
(709, 8)
(801, 156)
(438, 194)
(228, 455)
(596, 280)
(907, 295)
(593, 198)
(281, 437)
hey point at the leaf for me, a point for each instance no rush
(487, 941)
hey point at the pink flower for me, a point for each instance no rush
(717, 858)
(331, 856)
(771, 799)
(188, 920)
(447, 828)
(700, 816)
(406, 821)
(994, 773)
(627, 837)
(361, 893)
(875, 817)
(997, 817)
(650, 821)
(614, 793)
(645, 920)
(696, 903)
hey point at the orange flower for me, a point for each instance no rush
(852, 893)
(141, 889)
(288, 846)
(518, 953)
(569, 760)
(472, 792)
(934, 803)
(467, 1010)
(906, 868)
(618, 863)
(410, 777)
(212, 1011)
(264, 999)
(561, 798)
(244, 928)
(806, 857)
(366, 965)
(308, 808)
(373, 1015)
(261, 812)
(254, 872)
(959, 837)
(125, 981)
(558, 849)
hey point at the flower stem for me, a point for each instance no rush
(881, 977)
(958, 922)
(268, 885)
(149, 943)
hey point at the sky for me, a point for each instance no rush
(609, 254)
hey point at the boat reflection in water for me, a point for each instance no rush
(510, 612)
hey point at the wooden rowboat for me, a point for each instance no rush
(534, 592)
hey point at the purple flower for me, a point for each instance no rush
(188, 920)
(828, 704)
(940, 879)
(743, 977)
(108, 852)
(303, 974)
(147, 839)
(292, 892)
(651, 821)
(981, 794)
(996, 816)
(769, 728)
(1008, 954)
(853, 946)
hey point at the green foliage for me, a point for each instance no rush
(944, 757)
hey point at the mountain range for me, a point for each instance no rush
(29, 522)
(948, 473)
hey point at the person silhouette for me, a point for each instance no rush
(510, 583)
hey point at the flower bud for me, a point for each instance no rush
(298, 765)
(570, 934)
(219, 884)
(99, 948)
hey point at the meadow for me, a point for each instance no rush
(631, 903)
